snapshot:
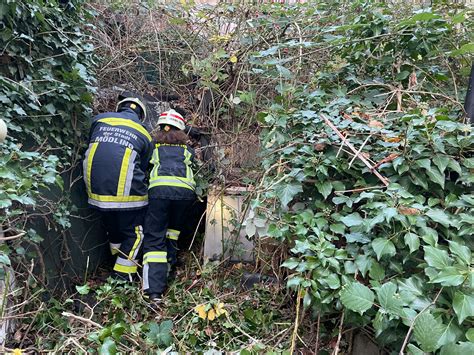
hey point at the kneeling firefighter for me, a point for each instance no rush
(119, 152)
(171, 194)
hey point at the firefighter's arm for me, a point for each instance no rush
(146, 158)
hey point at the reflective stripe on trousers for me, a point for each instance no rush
(153, 257)
(130, 264)
(125, 266)
(172, 234)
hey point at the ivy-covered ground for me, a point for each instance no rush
(362, 184)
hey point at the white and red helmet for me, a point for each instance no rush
(172, 118)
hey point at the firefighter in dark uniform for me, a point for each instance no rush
(119, 152)
(171, 194)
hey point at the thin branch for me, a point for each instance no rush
(341, 324)
(407, 337)
(82, 319)
(351, 147)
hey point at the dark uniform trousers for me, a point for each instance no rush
(163, 223)
(125, 233)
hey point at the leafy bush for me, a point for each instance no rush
(45, 92)
(397, 258)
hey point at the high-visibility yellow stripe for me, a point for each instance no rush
(170, 145)
(156, 162)
(125, 269)
(187, 162)
(155, 260)
(116, 121)
(90, 158)
(155, 253)
(123, 172)
(173, 184)
(107, 198)
(136, 244)
(172, 234)
(155, 257)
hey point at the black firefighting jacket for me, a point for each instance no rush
(172, 177)
(119, 152)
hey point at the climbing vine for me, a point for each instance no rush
(46, 90)
(396, 258)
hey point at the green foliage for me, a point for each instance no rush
(112, 317)
(388, 83)
(45, 92)
(357, 297)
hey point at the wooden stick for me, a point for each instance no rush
(339, 336)
(360, 149)
(13, 236)
(351, 147)
(316, 347)
(388, 159)
(342, 146)
(297, 320)
(82, 319)
(359, 190)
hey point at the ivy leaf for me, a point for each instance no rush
(363, 263)
(461, 251)
(324, 188)
(437, 258)
(451, 333)
(449, 276)
(413, 285)
(4, 203)
(50, 108)
(108, 347)
(427, 332)
(160, 334)
(439, 216)
(383, 247)
(463, 305)
(458, 349)
(436, 176)
(288, 192)
(470, 335)
(465, 49)
(412, 241)
(284, 72)
(357, 238)
(291, 263)
(352, 220)
(337, 228)
(441, 161)
(455, 166)
(250, 228)
(376, 272)
(333, 281)
(83, 290)
(388, 300)
(389, 213)
(357, 297)
(117, 330)
(414, 350)
(19, 110)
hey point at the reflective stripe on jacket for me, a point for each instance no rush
(172, 176)
(116, 161)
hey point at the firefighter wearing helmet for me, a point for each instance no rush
(171, 194)
(115, 163)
